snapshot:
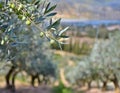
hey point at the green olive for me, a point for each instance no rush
(52, 41)
(41, 34)
(20, 7)
(2, 42)
(12, 5)
(28, 22)
(23, 17)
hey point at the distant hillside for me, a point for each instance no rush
(88, 9)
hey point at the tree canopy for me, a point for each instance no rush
(20, 17)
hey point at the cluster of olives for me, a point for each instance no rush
(19, 10)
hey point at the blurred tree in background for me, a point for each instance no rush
(102, 64)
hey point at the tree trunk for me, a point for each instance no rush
(104, 85)
(33, 80)
(45, 80)
(7, 77)
(115, 81)
(39, 81)
(89, 85)
(13, 81)
(13, 78)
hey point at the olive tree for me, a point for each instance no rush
(19, 16)
(22, 23)
(102, 63)
(84, 73)
(34, 62)
(107, 58)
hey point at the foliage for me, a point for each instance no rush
(19, 17)
(25, 28)
(102, 64)
(61, 89)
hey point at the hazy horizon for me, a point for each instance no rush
(88, 9)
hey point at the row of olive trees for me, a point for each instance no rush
(102, 64)
(22, 24)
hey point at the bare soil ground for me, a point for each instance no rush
(95, 90)
(44, 89)
(23, 87)
(27, 90)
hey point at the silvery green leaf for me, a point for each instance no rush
(51, 14)
(62, 31)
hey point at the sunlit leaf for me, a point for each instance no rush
(62, 31)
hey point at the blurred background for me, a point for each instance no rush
(88, 9)
(89, 22)
(87, 19)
